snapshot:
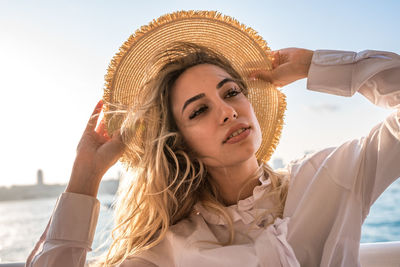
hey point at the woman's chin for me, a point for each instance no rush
(231, 160)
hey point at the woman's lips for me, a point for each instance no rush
(238, 137)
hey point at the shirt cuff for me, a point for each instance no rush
(331, 72)
(74, 218)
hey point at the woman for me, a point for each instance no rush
(202, 194)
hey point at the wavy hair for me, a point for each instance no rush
(169, 179)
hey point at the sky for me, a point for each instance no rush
(54, 55)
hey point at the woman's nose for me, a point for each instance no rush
(228, 113)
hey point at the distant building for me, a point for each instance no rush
(42, 190)
(39, 176)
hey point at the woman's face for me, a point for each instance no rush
(214, 117)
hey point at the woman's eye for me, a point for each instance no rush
(233, 92)
(198, 112)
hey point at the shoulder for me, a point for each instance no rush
(309, 163)
(337, 163)
(336, 167)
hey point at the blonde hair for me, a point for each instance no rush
(169, 178)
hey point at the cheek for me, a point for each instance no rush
(199, 139)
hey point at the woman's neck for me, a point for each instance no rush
(231, 180)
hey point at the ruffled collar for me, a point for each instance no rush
(244, 210)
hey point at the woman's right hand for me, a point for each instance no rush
(96, 153)
(288, 65)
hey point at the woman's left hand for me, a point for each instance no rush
(96, 153)
(288, 65)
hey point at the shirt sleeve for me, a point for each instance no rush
(376, 75)
(69, 233)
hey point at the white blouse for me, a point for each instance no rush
(329, 196)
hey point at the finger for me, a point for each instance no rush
(101, 129)
(284, 75)
(94, 117)
(275, 55)
(114, 148)
(262, 75)
(276, 59)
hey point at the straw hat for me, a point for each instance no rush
(129, 70)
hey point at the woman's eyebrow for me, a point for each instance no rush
(221, 83)
(190, 100)
(197, 97)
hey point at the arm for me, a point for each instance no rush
(372, 160)
(69, 234)
(70, 231)
(376, 75)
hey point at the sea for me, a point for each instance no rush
(22, 223)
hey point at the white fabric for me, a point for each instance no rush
(330, 193)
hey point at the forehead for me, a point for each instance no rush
(196, 80)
